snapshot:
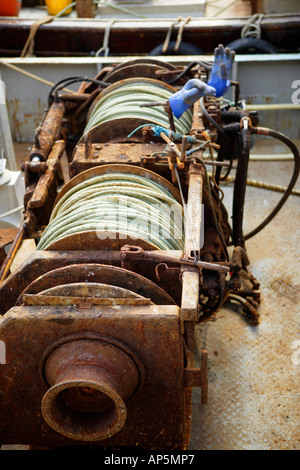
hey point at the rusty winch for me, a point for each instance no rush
(132, 252)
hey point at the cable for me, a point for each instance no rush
(209, 117)
(288, 192)
(206, 65)
(61, 84)
(227, 172)
(216, 223)
(61, 12)
(263, 185)
(30, 75)
(11, 212)
(118, 203)
(125, 102)
(157, 130)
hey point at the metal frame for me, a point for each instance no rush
(155, 331)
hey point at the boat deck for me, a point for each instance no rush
(253, 372)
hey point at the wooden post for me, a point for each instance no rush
(85, 8)
(190, 276)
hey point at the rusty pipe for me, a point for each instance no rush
(46, 134)
(136, 252)
(90, 381)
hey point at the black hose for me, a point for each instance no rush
(228, 170)
(69, 81)
(215, 124)
(239, 192)
(293, 148)
(206, 65)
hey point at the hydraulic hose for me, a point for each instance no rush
(288, 192)
(69, 81)
(206, 65)
(240, 187)
(210, 118)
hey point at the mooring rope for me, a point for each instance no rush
(124, 102)
(123, 203)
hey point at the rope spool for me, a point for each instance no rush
(117, 109)
(120, 204)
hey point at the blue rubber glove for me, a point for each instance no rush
(224, 59)
(188, 95)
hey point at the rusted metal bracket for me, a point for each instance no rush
(42, 179)
(166, 274)
(46, 180)
(32, 167)
(157, 353)
(198, 377)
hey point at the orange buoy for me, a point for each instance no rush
(56, 6)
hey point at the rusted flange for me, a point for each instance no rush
(147, 68)
(90, 380)
(99, 273)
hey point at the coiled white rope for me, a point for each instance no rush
(119, 203)
(124, 102)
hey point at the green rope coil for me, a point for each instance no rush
(124, 102)
(120, 203)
